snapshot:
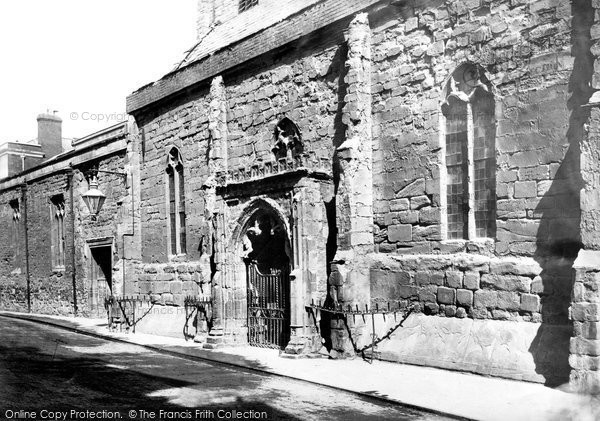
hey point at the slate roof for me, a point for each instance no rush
(260, 17)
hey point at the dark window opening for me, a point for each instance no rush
(58, 244)
(176, 203)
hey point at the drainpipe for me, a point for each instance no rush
(132, 233)
(73, 272)
(24, 201)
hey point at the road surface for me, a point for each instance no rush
(51, 373)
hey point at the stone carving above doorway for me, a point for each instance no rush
(288, 141)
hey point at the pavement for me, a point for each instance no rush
(461, 395)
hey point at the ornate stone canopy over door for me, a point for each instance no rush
(266, 254)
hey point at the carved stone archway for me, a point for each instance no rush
(262, 257)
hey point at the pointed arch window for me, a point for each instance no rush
(287, 138)
(15, 229)
(175, 203)
(470, 155)
(58, 244)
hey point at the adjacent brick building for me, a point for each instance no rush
(56, 258)
(434, 155)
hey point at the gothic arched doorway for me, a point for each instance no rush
(267, 259)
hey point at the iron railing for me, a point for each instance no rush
(121, 311)
(268, 308)
(202, 308)
(338, 310)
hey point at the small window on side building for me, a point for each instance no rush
(57, 215)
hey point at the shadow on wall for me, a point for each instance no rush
(559, 238)
(331, 206)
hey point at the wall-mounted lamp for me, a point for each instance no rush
(94, 198)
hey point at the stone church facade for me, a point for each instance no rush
(436, 156)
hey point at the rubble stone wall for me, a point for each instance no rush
(525, 48)
(51, 289)
(301, 85)
(534, 56)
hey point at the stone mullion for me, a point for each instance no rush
(177, 223)
(470, 173)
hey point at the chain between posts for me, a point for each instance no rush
(357, 310)
(199, 306)
(122, 310)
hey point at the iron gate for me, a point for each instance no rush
(268, 307)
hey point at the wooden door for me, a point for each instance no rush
(100, 279)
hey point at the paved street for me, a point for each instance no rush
(46, 368)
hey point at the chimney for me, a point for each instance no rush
(50, 134)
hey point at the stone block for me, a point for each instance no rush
(427, 294)
(585, 312)
(422, 278)
(431, 232)
(461, 313)
(176, 287)
(464, 297)
(397, 205)
(431, 308)
(485, 299)
(534, 173)
(449, 311)
(408, 217)
(515, 266)
(178, 300)
(446, 295)
(584, 362)
(498, 314)
(471, 280)
(519, 230)
(588, 330)
(419, 202)
(506, 282)
(537, 285)
(416, 188)
(398, 233)
(411, 24)
(402, 277)
(585, 381)
(429, 216)
(530, 302)
(506, 176)
(182, 269)
(480, 313)
(437, 278)
(508, 301)
(584, 346)
(454, 279)
(407, 291)
(472, 262)
(436, 48)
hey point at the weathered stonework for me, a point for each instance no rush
(333, 127)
